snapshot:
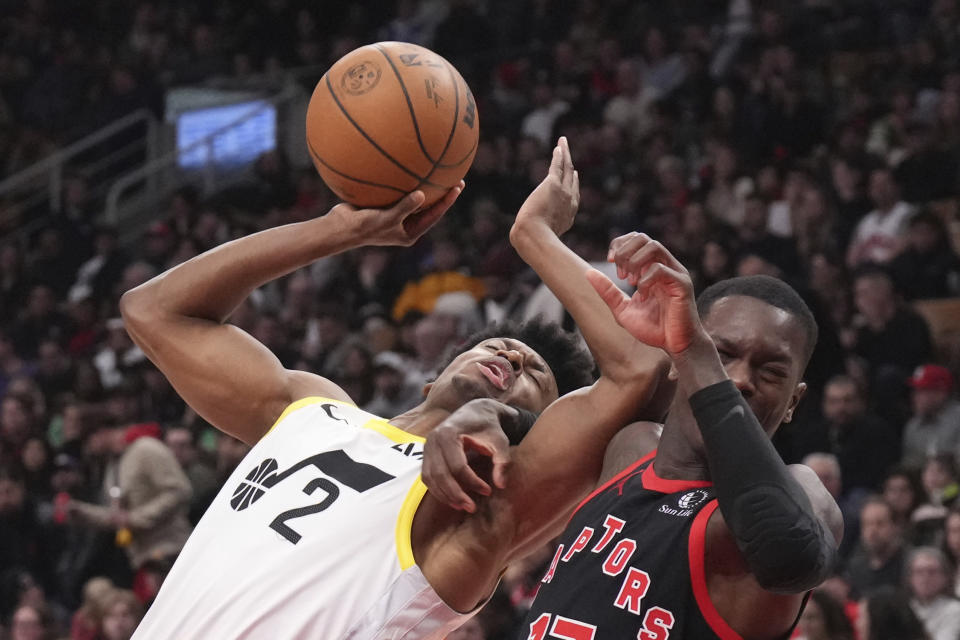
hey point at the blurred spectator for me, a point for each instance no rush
(823, 619)
(886, 615)
(928, 267)
(929, 581)
(903, 491)
(755, 237)
(148, 494)
(23, 543)
(393, 392)
(939, 479)
(37, 321)
(892, 338)
(117, 356)
(934, 427)
(827, 468)
(538, 124)
(31, 622)
(878, 559)
(864, 444)
(203, 477)
(445, 277)
(85, 624)
(879, 236)
(630, 108)
(121, 614)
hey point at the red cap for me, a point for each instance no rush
(142, 430)
(931, 377)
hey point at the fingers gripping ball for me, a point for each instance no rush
(389, 118)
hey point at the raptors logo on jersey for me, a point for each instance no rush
(309, 538)
(631, 565)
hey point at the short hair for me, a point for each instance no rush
(818, 456)
(571, 364)
(843, 379)
(879, 500)
(933, 552)
(774, 292)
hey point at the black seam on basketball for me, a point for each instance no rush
(453, 130)
(406, 95)
(348, 176)
(423, 180)
(462, 160)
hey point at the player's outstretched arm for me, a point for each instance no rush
(784, 523)
(179, 318)
(546, 215)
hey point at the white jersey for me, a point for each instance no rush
(309, 538)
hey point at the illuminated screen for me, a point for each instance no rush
(237, 145)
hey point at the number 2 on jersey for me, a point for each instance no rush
(337, 464)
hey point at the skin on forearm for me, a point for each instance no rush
(698, 366)
(617, 353)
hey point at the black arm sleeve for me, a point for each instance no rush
(786, 546)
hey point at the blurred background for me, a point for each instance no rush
(817, 141)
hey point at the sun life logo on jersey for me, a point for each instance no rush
(686, 502)
(692, 499)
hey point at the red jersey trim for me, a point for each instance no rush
(698, 574)
(653, 482)
(609, 483)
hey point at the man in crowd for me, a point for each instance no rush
(879, 559)
(934, 427)
(865, 445)
(878, 238)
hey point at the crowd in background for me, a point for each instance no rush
(815, 141)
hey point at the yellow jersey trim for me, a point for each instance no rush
(305, 402)
(396, 434)
(405, 522)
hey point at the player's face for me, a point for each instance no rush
(500, 368)
(761, 348)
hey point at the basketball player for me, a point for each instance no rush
(324, 531)
(706, 533)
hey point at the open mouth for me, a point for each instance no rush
(498, 372)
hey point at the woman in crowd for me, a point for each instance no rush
(121, 614)
(31, 622)
(824, 619)
(886, 615)
(940, 485)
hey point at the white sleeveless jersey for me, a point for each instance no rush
(309, 538)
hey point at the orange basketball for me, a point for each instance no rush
(389, 118)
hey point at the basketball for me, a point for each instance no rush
(389, 118)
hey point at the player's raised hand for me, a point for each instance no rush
(474, 428)
(555, 200)
(662, 312)
(400, 225)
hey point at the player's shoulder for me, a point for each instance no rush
(631, 443)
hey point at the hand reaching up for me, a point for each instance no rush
(662, 312)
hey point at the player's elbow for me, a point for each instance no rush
(141, 315)
(786, 546)
(134, 306)
(792, 563)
